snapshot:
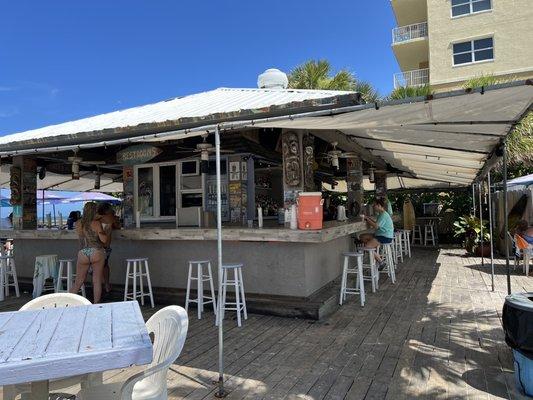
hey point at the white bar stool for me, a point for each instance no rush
(406, 233)
(429, 234)
(417, 235)
(398, 246)
(67, 265)
(386, 251)
(370, 266)
(240, 300)
(200, 279)
(359, 283)
(136, 269)
(9, 270)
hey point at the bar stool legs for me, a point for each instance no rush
(371, 267)
(429, 235)
(66, 265)
(358, 270)
(406, 233)
(398, 245)
(136, 270)
(9, 270)
(387, 254)
(417, 235)
(240, 300)
(200, 279)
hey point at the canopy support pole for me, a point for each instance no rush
(506, 218)
(221, 392)
(480, 188)
(490, 232)
(473, 199)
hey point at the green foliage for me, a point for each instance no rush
(469, 228)
(317, 74)
(404, 92)
(484, 80)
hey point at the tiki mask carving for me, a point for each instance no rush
(291, 157)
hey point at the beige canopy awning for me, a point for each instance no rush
(443, 141)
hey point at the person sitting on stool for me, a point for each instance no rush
(384, 229)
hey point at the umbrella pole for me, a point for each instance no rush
(506, 218)
(43, 208)
(480, 188)
(490, 233)
(54, 208)
(221, 392)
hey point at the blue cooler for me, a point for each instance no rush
(518, 326)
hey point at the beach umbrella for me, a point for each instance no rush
(91, 196)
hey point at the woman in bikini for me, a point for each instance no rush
(92, 237)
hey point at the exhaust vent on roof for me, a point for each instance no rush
(272, 78)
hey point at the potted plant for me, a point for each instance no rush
(470, 228)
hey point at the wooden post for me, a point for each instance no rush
(128, 211)
(381, 183)
(293, 177)
(354, 181)
(23, 184)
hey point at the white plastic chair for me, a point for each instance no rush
(169, 328)
(54, 300)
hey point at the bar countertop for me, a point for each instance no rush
(331, 230)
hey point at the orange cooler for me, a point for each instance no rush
(310, 212)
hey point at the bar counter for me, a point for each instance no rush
(277, 261)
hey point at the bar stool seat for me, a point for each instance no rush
(136, 270)
(200, 278)
(9, 272)
(359, 287)
(239, 305)
(66, 266)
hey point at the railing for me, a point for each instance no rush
(409, 32)
(417, 77)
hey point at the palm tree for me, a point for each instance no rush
(317, 74)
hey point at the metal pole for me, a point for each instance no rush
(490, 233)
(474, 200)
(221, 392)
(506, 219)
(479, 187)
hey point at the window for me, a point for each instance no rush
(145, 191)
(167, 190)
(473, 51)
(465, 7)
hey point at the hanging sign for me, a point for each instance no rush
(138, 154)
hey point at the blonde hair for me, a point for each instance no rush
(88, 216)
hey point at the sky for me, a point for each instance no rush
(62, 60)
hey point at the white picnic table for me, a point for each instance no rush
(37, 346)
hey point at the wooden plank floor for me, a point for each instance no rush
(435, 334)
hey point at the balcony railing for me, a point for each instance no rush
(409, 32)
(417, 77)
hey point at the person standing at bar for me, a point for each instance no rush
(91, 237)
(109, 221)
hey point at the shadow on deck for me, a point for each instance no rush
(435, 334)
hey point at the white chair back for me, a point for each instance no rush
(169, 329)
(55, 300)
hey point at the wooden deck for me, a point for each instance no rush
(435, 334)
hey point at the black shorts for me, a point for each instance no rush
(384, 240)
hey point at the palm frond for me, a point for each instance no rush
(404, 92)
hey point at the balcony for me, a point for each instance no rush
(410, 11)
(410, 32)
(417, 77)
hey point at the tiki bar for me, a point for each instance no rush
(279, 150)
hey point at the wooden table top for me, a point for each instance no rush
(60, 342)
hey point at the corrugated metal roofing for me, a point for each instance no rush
(196, 109)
